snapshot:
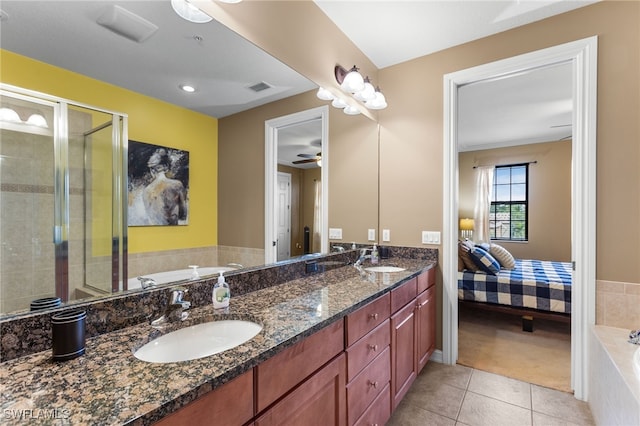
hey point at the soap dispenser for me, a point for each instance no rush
(374, 255)
(221, 293)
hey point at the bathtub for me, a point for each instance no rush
(178, 275)
(614, 377)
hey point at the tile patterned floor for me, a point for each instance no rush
(454, 395)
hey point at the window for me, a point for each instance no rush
(509, 203)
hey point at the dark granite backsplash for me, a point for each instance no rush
(27, 333)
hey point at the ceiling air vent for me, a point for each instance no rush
(127, 24)
(259, 87)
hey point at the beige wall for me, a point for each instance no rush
(352, 168)
(411, 127)
(549, 195)
(413, 124)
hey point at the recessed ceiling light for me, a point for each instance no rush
(187, 88)
(190, 12)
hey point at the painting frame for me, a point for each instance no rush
(157, 185)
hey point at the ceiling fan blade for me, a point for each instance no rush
(318, 155)
(311, 160)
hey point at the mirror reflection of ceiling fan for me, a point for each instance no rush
(309, 158)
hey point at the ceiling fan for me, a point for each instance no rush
(309, 158)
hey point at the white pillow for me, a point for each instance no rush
(503, 256)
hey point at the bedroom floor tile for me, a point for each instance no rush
(453, 394)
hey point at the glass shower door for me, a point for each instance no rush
(27, 182)
(62, 200)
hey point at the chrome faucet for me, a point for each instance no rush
(338, 249)
(147, 282)
(363, 256)
(175, 309)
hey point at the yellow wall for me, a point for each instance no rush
(151, 121)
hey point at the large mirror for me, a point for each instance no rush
(227, 156)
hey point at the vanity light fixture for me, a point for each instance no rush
(187, 88)
(188, 11)
(352, 82)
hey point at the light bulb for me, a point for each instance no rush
(351, 110)
(7, 114)
(37, 120)
(353, 81)
(324, 94)
(339, 103)
(379, 102)
(366, 94)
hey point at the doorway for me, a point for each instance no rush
(583, 56)
(319, 145)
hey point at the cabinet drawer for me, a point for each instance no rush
(319, 400)
(403, 294)
(426, 280)
(367, 385)
(367, 348)
(379, 412)
(277, 375)
(367, 318)
(230, 404)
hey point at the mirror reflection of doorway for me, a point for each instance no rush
(284, 216)
(296, 217)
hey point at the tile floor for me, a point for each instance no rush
(454, 395)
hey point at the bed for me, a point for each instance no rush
(533, 284)
(527, 287)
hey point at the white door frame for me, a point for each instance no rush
(583, 55)
(271, 169)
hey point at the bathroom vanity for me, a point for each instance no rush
(337, 347)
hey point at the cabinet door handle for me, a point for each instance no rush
(373, 347)
(373, 384)
(374, 316)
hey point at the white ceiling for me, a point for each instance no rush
(222, 65)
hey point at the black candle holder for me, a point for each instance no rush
(68, 334)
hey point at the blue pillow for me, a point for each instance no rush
(484, 260)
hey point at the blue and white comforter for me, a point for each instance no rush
(536, 284)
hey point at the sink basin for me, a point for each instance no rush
(384, 269)
(198, 341)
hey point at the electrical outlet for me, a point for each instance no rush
(371, 235)
(335, 233)
(430, 237)
(386, 235)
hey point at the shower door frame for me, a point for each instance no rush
(119, 232)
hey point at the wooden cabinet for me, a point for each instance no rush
(282, 372)
(230, 404)
(319, 400)
(425, 326)
(403, 352)
(368, 362)
(318, 381)
(413, 331)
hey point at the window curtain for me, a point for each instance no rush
(317, 216)
(484, 183)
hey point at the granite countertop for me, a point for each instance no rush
(109, 386)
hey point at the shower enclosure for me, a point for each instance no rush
(62, 199)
